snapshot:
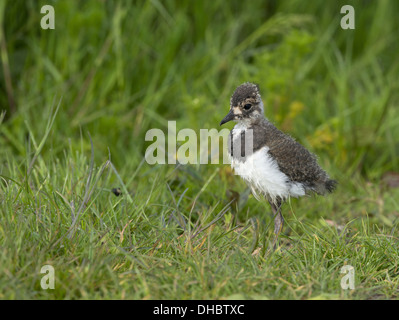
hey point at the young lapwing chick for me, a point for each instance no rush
(272, 163)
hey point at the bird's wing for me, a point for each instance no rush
(299, 164)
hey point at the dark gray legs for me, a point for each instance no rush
(278, 221)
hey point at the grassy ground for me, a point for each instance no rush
(79, 100)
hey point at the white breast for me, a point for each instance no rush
(263, 175)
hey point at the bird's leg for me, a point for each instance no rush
(278, 221)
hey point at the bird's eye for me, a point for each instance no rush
(247, 106)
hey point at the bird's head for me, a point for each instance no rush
(245, 104)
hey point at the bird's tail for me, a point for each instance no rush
(331, 185)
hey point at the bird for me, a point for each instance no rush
(273, 164)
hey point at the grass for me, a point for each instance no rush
(79, 100)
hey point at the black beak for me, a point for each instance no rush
(229, 117)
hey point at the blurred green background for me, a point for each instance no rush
(119, 68)
(125, 67)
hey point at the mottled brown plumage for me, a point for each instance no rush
(245, 91)
(292, 169)
(293, 159)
